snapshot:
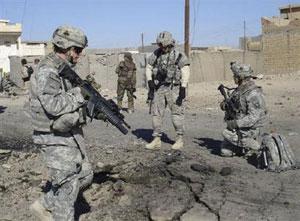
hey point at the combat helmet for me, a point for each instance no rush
(165, 38)
(128, 55)
(241, 71)
(67, 36)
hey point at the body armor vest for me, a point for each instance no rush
(126, 72)
(239, 99)
(166, 68)
(40, 119)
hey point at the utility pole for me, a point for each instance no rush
(187, 28)
(142, 38)
(245, 43)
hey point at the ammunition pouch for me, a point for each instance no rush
(160, 78)
(67, 122)
(167, 78)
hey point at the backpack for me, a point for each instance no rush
(276, 154)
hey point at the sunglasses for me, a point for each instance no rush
(78, 50)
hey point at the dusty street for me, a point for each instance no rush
(135, 184)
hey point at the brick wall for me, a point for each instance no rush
(281, 47)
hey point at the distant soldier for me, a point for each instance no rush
(167, 74)
(91, 79)
(245, 114)
(36, 64)
(26, 72)
(126, 72)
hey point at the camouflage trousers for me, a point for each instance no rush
(166, 97)
(120, 94)
(241, 141)
(69, 171)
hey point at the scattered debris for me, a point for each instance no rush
(278, 103)
(225, 171)
(293, 133)
(205, 169)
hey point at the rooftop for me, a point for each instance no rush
(7, 28)
(290, 6)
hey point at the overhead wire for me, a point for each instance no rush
(236, 27)
(1, 6)
(24, 11)
(195, 17)
(222, 31)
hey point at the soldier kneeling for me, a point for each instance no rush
(245, 114)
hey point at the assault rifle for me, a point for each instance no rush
(132, 91)
(97, 103)
(230, 109)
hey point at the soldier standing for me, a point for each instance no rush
(245, 114)
(57, 109)
(36, 64)
(167, 74)
(126, 72)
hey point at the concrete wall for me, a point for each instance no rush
(28, 49)
(205, 66)
(15, 71)
(17, 49)
(215, 66)
(8, 47)
(104, 66)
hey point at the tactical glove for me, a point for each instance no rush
(181, 96)
(151, 86)
(223, 105)
(231, 124)
(85, 93)
(101, 116)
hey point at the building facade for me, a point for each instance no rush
(11, 45)
(281, 41)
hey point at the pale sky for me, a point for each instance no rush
(119, 23)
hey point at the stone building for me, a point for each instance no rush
(11, 45)
(281, 41)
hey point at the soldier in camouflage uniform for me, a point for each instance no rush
(126, 72)
(57, 110)
(91, 79)
(167, 74)
(247, 116)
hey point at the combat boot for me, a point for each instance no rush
(226, 152)
(156, 143)
(40, 211)
(130, 107)
(178, 144)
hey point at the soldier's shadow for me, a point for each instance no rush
(211, 144)
(81, 206)
(146, 135)
(2, 109)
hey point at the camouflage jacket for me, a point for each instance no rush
(167, 66)
(126, 72)
(249, 104)
(52, 97)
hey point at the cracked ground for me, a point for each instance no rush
(135, 184)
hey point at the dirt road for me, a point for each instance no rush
(135, 184)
